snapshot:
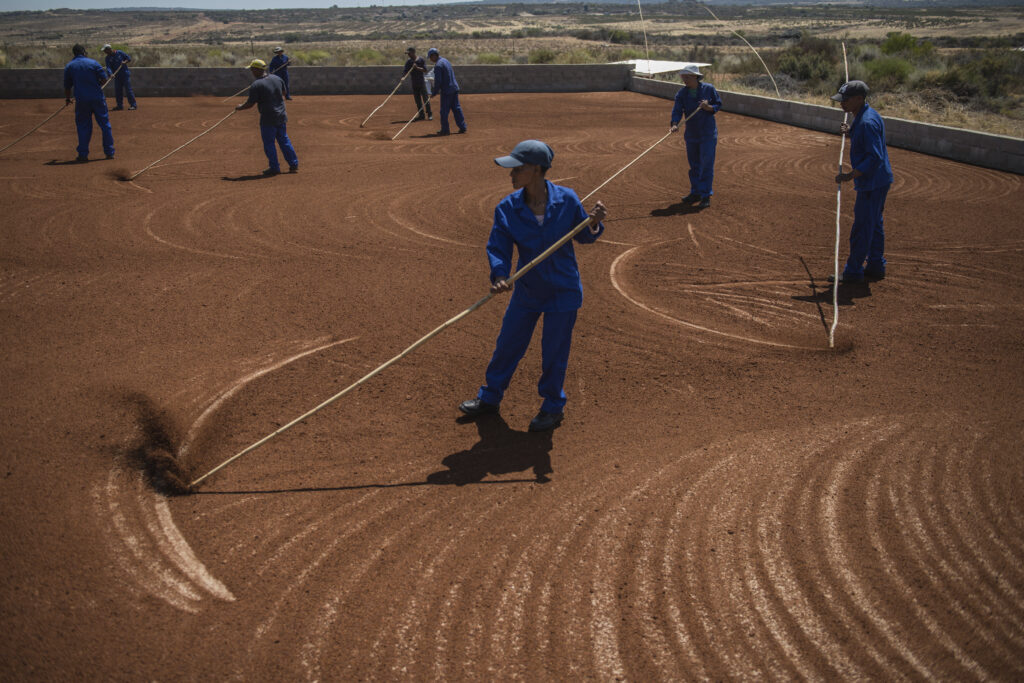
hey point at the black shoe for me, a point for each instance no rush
(117, 109)
(846, 280)
(475, 406)
(270, 171)
(691, 199)
(293, 169)
(874, 275)
(81, 160)
(461, 131)
(545, 421)
(430, 117)
(110, 156)
(442, 132)
(287, 98)
(420, 118)
(705, 203)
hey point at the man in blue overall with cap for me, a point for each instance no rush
(268, 92)
(279, 68)
(85, 77)
(117, 65)
(872, 177)
(532, 219)
(448, 88)
(700, 134)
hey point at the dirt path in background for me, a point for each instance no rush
(726, 498)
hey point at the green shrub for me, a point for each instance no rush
(490, 58)
(577, 56)
(888, 72)
(368, 57)
(906, 45)
(542, 55)
(805, 67)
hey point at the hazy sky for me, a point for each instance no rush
(16, 5)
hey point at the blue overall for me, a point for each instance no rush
(552, 289)
(869, 156)
(279, 67)
(122, 79)
(700, 135)
(448, 88)
(86, 77)
(268, 94)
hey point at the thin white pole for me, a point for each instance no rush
(414, 117)
(433, 333)
(740, 36)
(388, 97)
(643, 28)
(138, 173)
(35, 129)
(839, 204)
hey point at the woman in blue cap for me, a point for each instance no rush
(531, 219)
(700, 134)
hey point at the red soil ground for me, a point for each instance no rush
(727, 497)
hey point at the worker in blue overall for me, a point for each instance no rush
(279, 67)
(85, 78)
(117, 65)
(447, 87)
(267, 91)
(872, 177)
(700, 134)
(417, 69)
(531, 219)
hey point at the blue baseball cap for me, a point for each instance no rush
(528, 152)
(432, 51)
(851, 89)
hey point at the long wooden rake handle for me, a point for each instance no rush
(388, 97)
(112, 76)
(839, 204)
(433, 333)
(414, 116)
(36, 128)
(138, 173)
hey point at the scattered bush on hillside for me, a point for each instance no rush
(490, 58)
(542, 56)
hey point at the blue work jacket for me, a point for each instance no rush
(117, 59)
(867, 150)
(702, 125)
(444, 77)
(279, 66)
(553, 286)
(86, 76)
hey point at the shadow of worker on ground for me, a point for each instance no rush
(500, 450)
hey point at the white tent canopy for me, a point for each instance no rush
(652, 67)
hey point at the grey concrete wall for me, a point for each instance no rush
(328, 80)
(981, 149)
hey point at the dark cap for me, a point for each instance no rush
(410, 50)
(851, 89)
(528, 152)
(433, 51)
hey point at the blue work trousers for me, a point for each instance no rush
(283, 73)
(450, 103)
(278, 134)
(122, 87)
(516, 331)
(701, 155)
(85, 110)
(867, 237)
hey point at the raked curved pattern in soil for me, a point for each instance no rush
(727, 497)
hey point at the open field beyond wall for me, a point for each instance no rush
(573, 33)
(727, 498)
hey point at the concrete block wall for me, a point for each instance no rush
(327, 80)
(980, 149)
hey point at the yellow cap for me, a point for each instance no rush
(257, 64)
